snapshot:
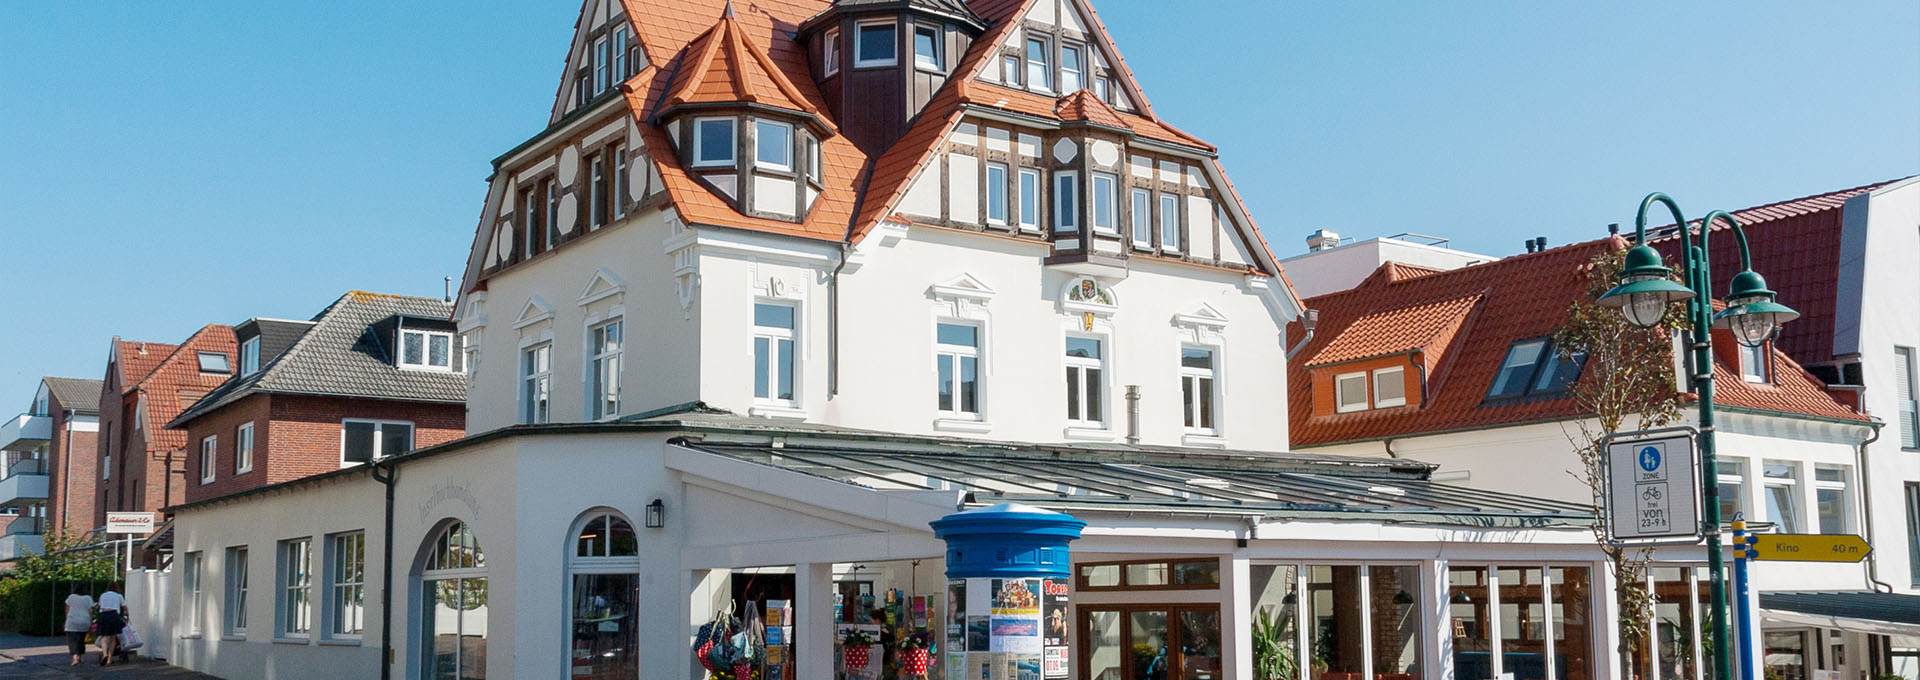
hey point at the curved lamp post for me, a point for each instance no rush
(1645, 291)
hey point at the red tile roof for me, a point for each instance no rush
(1463, 322)
(176, 383)
(138, 359)
(723, 66)
(1796, 246)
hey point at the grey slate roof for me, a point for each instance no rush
(954, 9)
(342, 356)
(79, 394)
(1861, 604)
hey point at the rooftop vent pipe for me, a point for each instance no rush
(1322, 239)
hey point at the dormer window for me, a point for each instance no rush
(214, 363)
(1350, 392)
(426, 350)
(1753, 364)
(830, 52)
(1039, 64)
(926, 48)
(1362, 390)
(876, 45)
(773, 145)
(1071, 71)
(712, 141)
(1390, 387)
(250, 356)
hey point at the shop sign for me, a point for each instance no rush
(129, 522)
(1652, 487)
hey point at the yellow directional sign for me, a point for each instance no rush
(1810, 548)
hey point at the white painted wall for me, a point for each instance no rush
(1327, 271)
(1880, 244)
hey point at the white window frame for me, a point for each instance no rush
(1066, 202)
(243, 448)
(194, 567)
(602, 65)
(1754, 363)
(598, 363)
(1011, 70)
(532, 381)
(830, 52)
(1170, 222)
(1041, 70)
(1094, 388)
(1189, 384)
(893, 54)
(342, 584)
(426, 350)
(1373, 386)
(1844, 486)
(596, 193)
(1793, 487)
(1907, 409)
(760, 125)
(1734, 471)
(1029, 190)
(1366, 393)
(1142, 218)
(1111, 194)
(773, 336)
(379, 438)
(234, 624)
(621, 183)
(552, 188)
(813, 158)
(293, 603)
(250, 356)
(200, 362)
(1079, 74)
(939, 57)
(621, 39)
(700, 136)
(951, 356)
(209, 457)
(1000, 184)
(470, 354)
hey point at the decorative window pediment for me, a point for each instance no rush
(1088, 295)
(603, 284)
(1201, 324)
(535, 311)
(961, 297)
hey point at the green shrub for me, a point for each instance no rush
(38, 607)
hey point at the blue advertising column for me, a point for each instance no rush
(1007, 571)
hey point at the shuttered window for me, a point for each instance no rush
(1903, 390)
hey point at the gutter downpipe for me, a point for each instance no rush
(386, 570)
(1308, 320)
(1866, 496)
(833, 287)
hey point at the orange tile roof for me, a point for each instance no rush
(1084, 106)
(178, 372)
(138, 359)
(723, 66)
(1394, 331)
(1517, 298)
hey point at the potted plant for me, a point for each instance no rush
(916, 653)
(1273, 657)
(853, 649)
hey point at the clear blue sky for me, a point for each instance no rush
(170, 164)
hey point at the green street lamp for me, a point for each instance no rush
(1645, 292)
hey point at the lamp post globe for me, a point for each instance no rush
(1751, 315)
(1646, 288)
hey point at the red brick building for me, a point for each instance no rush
(38, 466)
(147, 384)
(371, 376)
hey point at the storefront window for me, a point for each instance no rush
(1152, 642)
(1147, 634)
(1572, 623)
(1396, 622)
(1786, 655)
(605, 567)
(1673, 624)
(1338, 639)
(1523, 623)
(1276, 634)
(1468, 604)
(1152, 575)
(453, 587)
(1103, 646)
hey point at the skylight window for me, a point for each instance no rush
(1534, 366)
(215, 363)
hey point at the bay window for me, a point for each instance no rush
(773, 145)
(830, 52)
(926, 47)
(1029, 199)
(876, 45)
(1170, 223)
(1142, 218)
(712, 142)
(1104, 218)
(1066, 202)
(997, 193)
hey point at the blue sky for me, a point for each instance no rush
(168, 165)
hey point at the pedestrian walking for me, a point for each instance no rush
(79, 619)
(113, 618)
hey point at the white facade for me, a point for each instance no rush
(1877, 324)
(1335, 266)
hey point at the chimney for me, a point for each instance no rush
(1529, 243)
(1613, 228)
(1540, 243)
(1322, 239)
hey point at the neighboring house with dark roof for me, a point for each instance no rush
(370, 376)
(147, 384)
(877, 214)
(1458, 368)
(38, 465)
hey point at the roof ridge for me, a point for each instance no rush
(176, 352)
(1561, 250)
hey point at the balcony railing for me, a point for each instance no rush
(25, 431)
(26, 526)
(26, 482)
(15, 546)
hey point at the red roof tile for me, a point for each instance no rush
(138, 359)
(176, 383)
(1517, 298)
(724, 66)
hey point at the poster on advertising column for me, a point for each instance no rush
(1054, 636)
(1015, 625)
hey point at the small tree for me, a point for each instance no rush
(1627, 376)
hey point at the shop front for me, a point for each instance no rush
(605, 550)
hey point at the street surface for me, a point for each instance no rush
(44, 658)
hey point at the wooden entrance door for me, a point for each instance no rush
(1150, 642)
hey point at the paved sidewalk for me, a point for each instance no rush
(45, 658)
